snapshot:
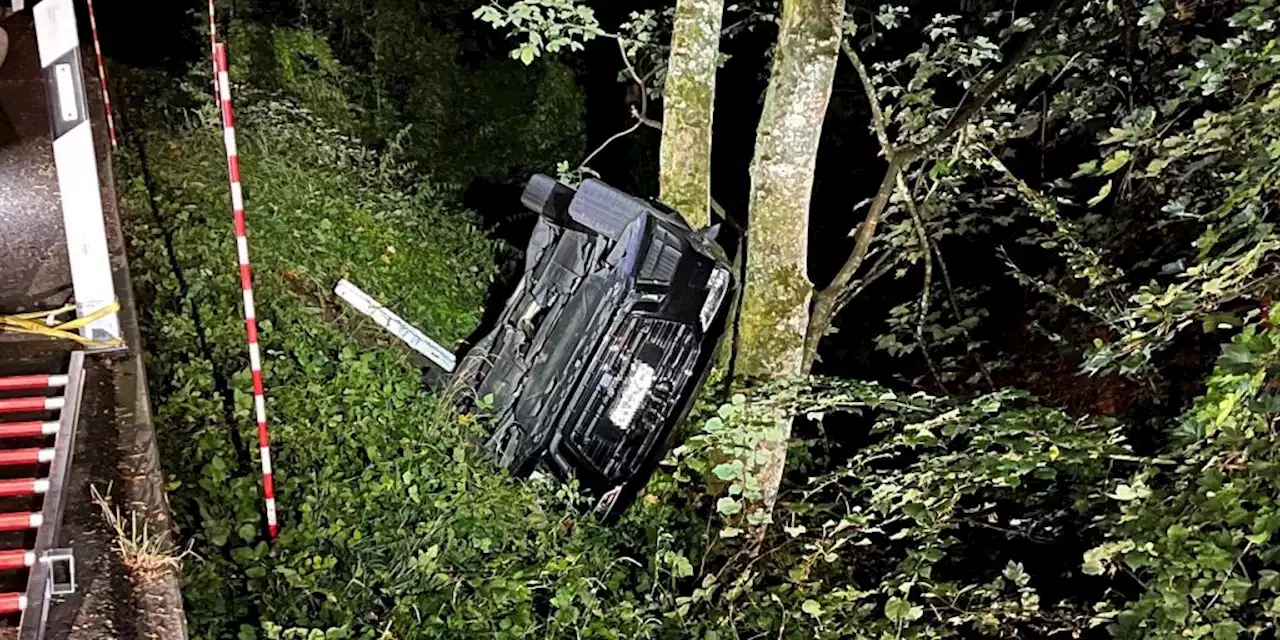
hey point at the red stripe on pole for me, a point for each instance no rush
(20, 521)
(11, 559)
(22, 405)
(223, 82)
(22, 487)
(34, 455)
(29, 383)
(11, 603)
(102, 76)
(33, 429)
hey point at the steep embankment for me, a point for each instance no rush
(387, 517)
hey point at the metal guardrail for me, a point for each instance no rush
(50, 570)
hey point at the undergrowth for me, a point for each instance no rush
(390, 522)
(955, 516)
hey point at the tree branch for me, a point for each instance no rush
(827, 301)
(621, 134)
(641, 115)
(877, 112)
(926, 289)
(883, 265)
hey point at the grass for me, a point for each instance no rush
(391, 521)
(144, 553)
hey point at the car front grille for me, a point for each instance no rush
(672, 349)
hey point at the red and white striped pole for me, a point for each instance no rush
(102, 76)
(246, 283)
(213, 46)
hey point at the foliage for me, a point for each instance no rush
(906, 514)
(457, 114)
(1201, 534)
(354, 430)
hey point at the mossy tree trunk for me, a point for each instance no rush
(688, 102)
(775, 307)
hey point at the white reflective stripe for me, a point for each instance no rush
(260, 408)
(249, 311)
(35, 520)
(271, 510)
(22, 602)
(46, 455)
(90, 260)
(56, 31)
(19, 5)
(67, 104)
(58, 381)
(29, 559)
(237, 195)
(41, 486)
(255, 357)
(49, 428)
(229, 136)
(54, 404)
(224, 84)
(265, 452)
(242, 249)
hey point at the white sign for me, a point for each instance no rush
(416, 340)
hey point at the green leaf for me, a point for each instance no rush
(1227, 630)
(1089, 168)
(899, 610)
(1152, 14)
(728, 506)
(1102, 195)
(1093, 567)
(812, 608)
(728, 470)
(1116, 162)
(680, 565)
(527, 53)
(1125, 493)
(1016, 574)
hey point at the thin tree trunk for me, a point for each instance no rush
(688, 103)
(775, 307)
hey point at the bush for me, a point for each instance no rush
(917, 517)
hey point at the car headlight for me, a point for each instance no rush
(632, 395)
(717, 284)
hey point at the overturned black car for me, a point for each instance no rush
(611, 332)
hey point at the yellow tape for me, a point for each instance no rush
(27, 323)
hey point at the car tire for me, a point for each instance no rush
(605, 210)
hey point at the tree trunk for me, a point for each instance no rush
(688, 102)
(775, 307)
